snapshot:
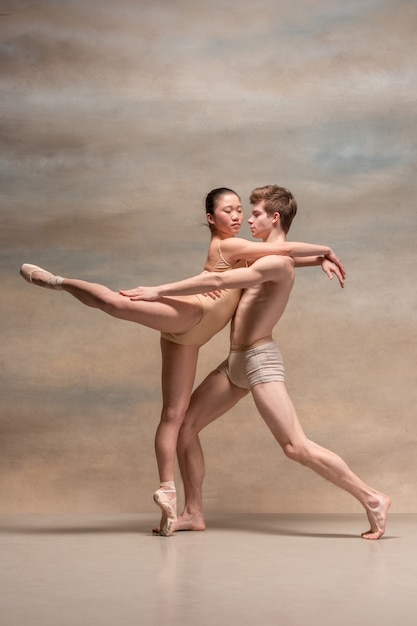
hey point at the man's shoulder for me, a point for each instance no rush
(273, 261)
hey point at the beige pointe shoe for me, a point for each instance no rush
(48, 280)
(169, 511)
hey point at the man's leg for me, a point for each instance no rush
(278, 412)
(214, 397)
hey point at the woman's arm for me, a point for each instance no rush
(235, 248)
(308, 261)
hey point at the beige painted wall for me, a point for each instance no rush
(117, 118)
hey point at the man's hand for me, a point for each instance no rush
(336, 261)
(330, 267)
(141, 293)
(214, 295)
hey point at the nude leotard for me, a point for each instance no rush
(215, 314)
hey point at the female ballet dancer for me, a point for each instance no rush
(185, 322)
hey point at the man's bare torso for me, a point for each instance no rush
(261, 307)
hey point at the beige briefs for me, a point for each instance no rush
(261, 364)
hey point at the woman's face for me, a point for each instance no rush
(228, 215)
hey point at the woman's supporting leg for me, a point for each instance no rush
(178, 373)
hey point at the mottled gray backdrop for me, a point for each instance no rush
(116, 119)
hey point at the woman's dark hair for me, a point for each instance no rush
(213, 196)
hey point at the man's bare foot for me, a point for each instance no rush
(184, 522)
(377, 516)
(166, 499)
(187, 521)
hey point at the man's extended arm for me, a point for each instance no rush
(240, 278)
(261, 271)
(328, 267)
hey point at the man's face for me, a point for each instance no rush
(260, 222)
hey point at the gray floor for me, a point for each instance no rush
(286, 570)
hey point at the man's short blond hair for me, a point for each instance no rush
(277, 200)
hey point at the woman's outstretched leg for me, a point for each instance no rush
(172, 315)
